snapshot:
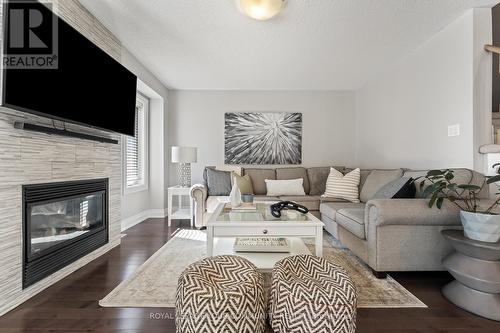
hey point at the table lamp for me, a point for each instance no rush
(184, 156)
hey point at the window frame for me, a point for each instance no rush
(143, 147)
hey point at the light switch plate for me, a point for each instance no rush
(454, 130)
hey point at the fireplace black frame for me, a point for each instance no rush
(40, 265)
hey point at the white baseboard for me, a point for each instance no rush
(131, 221)
(157, 213)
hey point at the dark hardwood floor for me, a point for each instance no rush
(71, 305)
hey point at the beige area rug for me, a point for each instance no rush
(154, 283)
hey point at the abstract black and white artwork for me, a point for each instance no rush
(263, 138)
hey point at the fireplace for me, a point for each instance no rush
(62, 222)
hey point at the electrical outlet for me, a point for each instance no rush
(454, 130)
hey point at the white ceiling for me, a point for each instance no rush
(311, 45)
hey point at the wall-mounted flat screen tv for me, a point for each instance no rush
(84, 85)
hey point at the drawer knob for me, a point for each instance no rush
(264, 231)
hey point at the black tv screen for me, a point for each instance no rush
(86, 86)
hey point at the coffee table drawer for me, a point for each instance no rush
(264, 231)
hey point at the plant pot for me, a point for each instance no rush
(481, 227)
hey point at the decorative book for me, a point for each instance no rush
(246, 206)
(261, 244)
(243, 206)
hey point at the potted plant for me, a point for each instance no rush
(480, 223)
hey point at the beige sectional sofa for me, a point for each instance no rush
(387, 234)
(314, 187)
(395, 234)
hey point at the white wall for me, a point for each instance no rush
(482, 85)
(151, 202)
(398, 119)
(197, 119)
(403, 115)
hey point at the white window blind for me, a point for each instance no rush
(135, 147)
(133, 162)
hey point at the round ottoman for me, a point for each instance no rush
(311, 295)
(220, 294)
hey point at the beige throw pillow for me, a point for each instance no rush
(244, 183)
(343, 187)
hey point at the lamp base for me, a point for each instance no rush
(185, 174)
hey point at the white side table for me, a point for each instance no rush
(180, 212)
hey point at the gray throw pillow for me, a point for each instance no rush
(218, 182)
(402, 188)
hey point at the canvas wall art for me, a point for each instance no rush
(263, 138)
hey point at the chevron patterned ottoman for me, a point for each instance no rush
(311, 295)
(220, 294)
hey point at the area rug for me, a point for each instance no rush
(154, 283)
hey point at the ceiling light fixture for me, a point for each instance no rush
(261, 9)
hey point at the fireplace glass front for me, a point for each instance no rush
(62, 223)
(56, 222)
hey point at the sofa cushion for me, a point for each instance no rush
(231, 168)
(362, 180)
(330, 209)
(478, 179)
(258, 177)
(326, 199)
(376, 180)
(311, 202)
(218, 182)
(317, 179)
(402, 188)
(363, 175)
(285, 187)
(294, 173)
(353, 220)
(244, 183)
(343, 186)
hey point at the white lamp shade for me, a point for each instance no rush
(184, 154)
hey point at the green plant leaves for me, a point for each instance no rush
(433, 200)
(469, 187)
(442, 187)
(432, 189)
(493, 179)
(439, 202)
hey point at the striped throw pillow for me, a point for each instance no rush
(343, 187)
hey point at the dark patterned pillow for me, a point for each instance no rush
(402, 188)
(218, 182)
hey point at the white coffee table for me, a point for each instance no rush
(225, 225)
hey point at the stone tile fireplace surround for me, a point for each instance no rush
(30, 158)
(34, 158)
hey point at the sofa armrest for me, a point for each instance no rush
(381, 212)
(199, 193)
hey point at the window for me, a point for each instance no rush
(136, 149)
